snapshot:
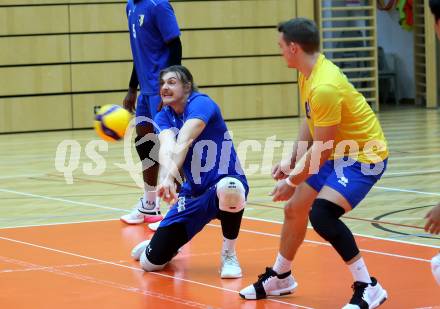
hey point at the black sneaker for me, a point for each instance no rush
(367, 295)
(270, 284)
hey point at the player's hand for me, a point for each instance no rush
(130, 100)
(433, 224)
(167, 191)
(282, 191)
(282, 170)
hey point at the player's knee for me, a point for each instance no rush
(292, 211)
(147, 265)
(324, 216)
(231, 194)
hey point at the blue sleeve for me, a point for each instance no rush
(166, 21)
(202, 108)
(162, 122)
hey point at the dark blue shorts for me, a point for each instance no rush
(194, 212)
(353, 182)
(147, 107)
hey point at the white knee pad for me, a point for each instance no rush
(231, 194)
(148, 266)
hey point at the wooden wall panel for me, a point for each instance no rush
(83, 106)
(236, 71)
(100, 76)
(98, 17)
(207, 72)
(254, 101)
(100, 47)
(34, 49)
(234, 42)
(34, 20)
(34, 80)
(35, 113)
(220, 14)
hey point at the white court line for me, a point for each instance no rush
(138, 269)
(108, 283)
(408, 173)
(58, 199)
(356, 234)
(328, 245)
(124, 210)
(21, 176)
(406, 190)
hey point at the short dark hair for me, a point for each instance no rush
(302, 31)
(435, 8)
(183, 74)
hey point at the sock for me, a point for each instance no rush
(282, 265)
(228, 245)
(149, 201)
(359, 271)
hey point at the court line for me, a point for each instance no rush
(109, 283)
(58, 199)
(39, 267)
(406, 190)
(138, 269)
(356, 234)
(126, 211)
(21, 176)
(328, 245)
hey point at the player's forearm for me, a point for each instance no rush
(303, 143)
(175, 57)
(134, 82)
(304, 167)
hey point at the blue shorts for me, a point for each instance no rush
(353, 182)
(147, 107)
(194, 212)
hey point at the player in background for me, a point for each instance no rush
(155, 44)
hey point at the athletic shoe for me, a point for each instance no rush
(154, 226)
(435, 266)
(138, 216)
(270, 284)
(230, 268)
(367, 295)
(137, 251)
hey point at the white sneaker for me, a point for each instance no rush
(230, 267)
(366, 295)
(137, 251)
(154, 226)
(140, 215)
(270, 284)
(435, 266)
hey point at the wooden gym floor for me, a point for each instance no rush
(61, 245)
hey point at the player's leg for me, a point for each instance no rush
(232, 199)
(186, 217)
(163, 246)
(146, 143)
(292, 235)
(435, 266)
(336, 198)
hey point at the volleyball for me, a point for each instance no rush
(111, 121)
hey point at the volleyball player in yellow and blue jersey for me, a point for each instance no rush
(340, 154)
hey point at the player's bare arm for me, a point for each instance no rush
(321, 150)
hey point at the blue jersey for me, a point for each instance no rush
(152, 24)
(212, 155)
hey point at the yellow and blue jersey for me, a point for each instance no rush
(328, 98)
